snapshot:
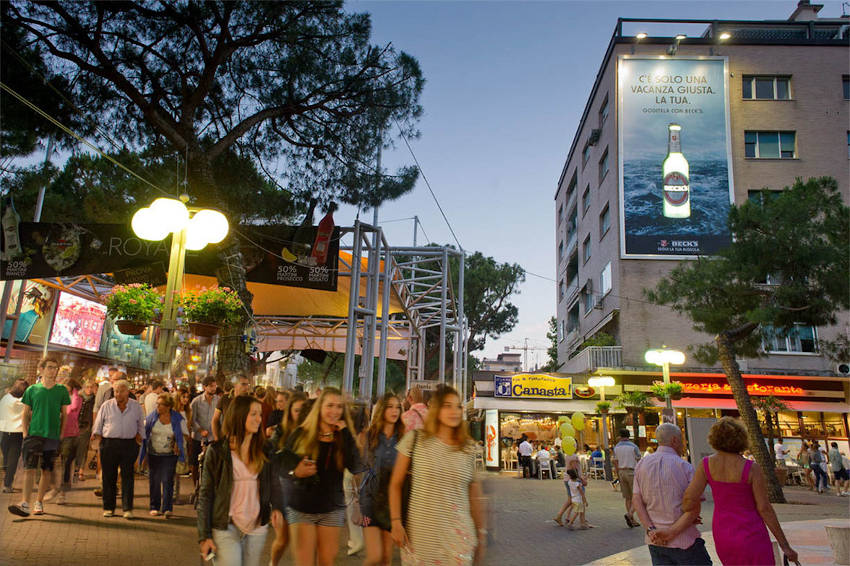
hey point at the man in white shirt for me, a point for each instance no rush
(525, 450)
(626, 456)
(12, 430)
(150, 398)
(543, 460)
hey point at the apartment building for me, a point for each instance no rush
(750, 105)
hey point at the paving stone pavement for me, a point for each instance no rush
(521, 528)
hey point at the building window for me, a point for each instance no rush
(762, 196)
(604, 221)
(603, 165)
(603, 111)
(589, 301)
(605, 279)
(800, 339)
(848, 147)
(585, 200)
(585, 155)
(561, 290)
(572, 186)
(766, 88)
(560, 251)
(585, 249)
(560, 214)
(561, 330)
(770, 145)
(572, 319)
(845, 83)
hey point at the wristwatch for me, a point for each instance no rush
(650, 528)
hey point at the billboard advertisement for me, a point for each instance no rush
(675, 158)
(532, 386)
(78, 323)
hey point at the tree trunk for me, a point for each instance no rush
(232, 356)
(726, 351)
(635, 422)
(769, 421)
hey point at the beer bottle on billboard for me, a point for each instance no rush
(323, 236)
(676, 174)
(11, 236)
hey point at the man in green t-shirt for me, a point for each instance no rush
(43, 420)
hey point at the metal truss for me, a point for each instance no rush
(421, 278)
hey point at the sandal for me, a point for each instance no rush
(559, 521)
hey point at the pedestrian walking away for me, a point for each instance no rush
(661, 479)
(742, 511)
(70, 439)
(380, 452)
(626, 456)
(163, 448)
(202, 409)
(239, 496)
(314, 458)
(446, 517)
(119, 430)
(43, 420)
(11, 431)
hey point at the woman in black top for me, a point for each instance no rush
(316, 455)
(384, 433)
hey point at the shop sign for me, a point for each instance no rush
(708, 388)
(533, 386)
(491, 438)
(584, 391)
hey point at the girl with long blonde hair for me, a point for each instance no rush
(445, 522)
(316, 454)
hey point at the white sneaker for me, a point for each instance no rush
(128, 514)
(108, 513)
(60, 500)
(38, 508)
(154, 513)
(50, 494)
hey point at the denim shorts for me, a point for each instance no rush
(335, 518)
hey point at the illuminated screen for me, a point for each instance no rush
(78, 323)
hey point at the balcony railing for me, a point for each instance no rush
(594, 357)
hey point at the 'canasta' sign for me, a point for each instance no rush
(533, 386)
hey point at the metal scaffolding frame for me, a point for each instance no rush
(420, 277)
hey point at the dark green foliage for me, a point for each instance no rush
(788, 264)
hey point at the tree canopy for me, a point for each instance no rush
(787, 265)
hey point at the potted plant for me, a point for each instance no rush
(603, 407)
(133, 307)
(207, 310)
(661, 390)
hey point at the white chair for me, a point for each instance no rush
(544, 468)
(597, 470)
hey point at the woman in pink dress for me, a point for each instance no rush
(742, 512)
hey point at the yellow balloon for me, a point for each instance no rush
(568, 445)
(563, 419)
(567, 429)
(578, 421)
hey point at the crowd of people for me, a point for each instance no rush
(264, 462)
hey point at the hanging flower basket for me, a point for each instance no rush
(603, 407)
(207, 310)
(131, 327)
(203, 329)
(133, 306)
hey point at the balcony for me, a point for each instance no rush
(594, 357)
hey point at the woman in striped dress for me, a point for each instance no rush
(445, 520)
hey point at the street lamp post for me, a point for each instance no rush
(602, 382)
(663, 357)
(191, 229)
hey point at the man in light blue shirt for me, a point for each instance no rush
(119, 429)
(626, 456)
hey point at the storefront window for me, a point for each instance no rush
(789, 424)
(834, 425)
(812, 425)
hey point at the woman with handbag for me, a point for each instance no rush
(384, 433)
(163, 448)
(445, 521)
(313, 461)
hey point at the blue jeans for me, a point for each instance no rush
(235, 548)
(695, 555)
(162, 481)
(821, 479)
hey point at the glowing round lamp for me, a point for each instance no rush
(171, 212)
(660, 357)
(147, 226)
(195, 237)
(601, 381)
(212, 224)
